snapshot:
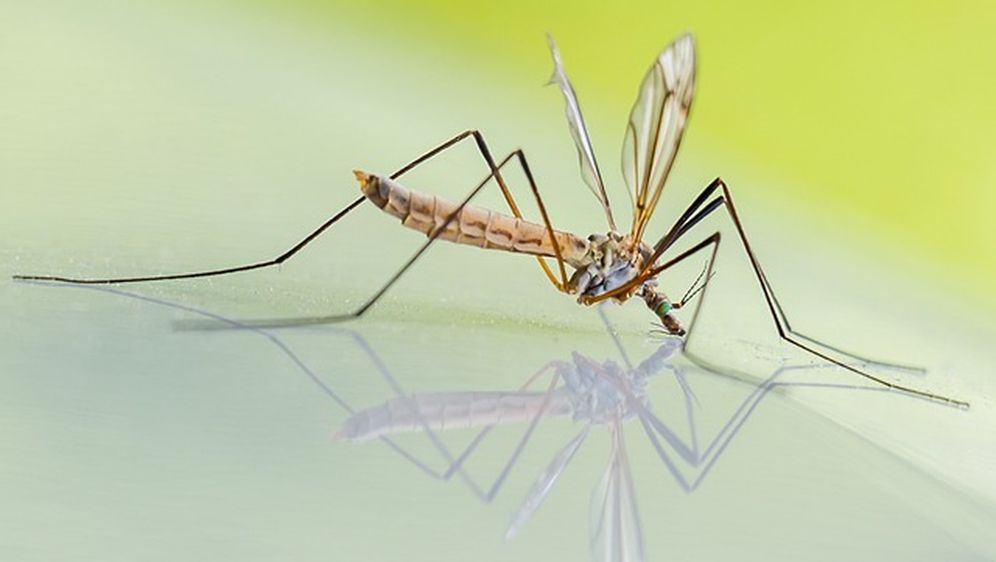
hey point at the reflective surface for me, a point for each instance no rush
(128, 432)
(203, 444)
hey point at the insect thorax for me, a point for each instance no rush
(595, 389)
(611, 261)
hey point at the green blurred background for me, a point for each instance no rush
(879, 114)
(149, 137)
(875, 116)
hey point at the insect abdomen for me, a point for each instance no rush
(474, 226)
(450, 410)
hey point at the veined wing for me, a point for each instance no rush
(586, 154)
(656, 123)
(545, 483)
(616, 533)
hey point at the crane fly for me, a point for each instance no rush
(617, 264)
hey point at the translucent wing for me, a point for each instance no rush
(586, 154)
(616, 533)
(655, 125)
(545, 483)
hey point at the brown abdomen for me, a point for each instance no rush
(474, 226)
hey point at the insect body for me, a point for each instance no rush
(610, 265)
(591, 391)
(602, 262)
(471, 225)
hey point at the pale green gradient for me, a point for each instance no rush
(140, 138)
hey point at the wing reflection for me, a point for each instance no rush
(594, 395)
(606, 395)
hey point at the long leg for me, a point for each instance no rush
(697, 211)
(482, 146)
(297, 247)
(777, 315)
(562, 284)
(208, 273)
(258, 265)
(486, 430)
(316, 379)
(690, 218)
(495, 173)
(359, 311)
(495, 170)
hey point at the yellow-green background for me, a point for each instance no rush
(881, 114)
(143, 137)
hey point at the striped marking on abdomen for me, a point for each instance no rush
(473, 226)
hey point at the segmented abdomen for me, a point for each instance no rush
(474, 226)
(450, 410)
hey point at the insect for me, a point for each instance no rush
(617, 264)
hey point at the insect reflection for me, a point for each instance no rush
(595, 394)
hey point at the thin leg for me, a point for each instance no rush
(777, 315)
(313, 376)
(784, 328)
(526, 436)
(562, 284)
(495, 169)
(209, 273)
(495, 172)
(486, 430)
(615, 338)
(363, 308)
(482, 146)
(690, 218)
(282, 257)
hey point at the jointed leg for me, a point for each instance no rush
(457, 464)
(496, 173)
(208, 273)
(777, 314)
(507, 193)
(562, 284)
(495, 170)
(690, 218)
(275, 261)
(359, 311)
